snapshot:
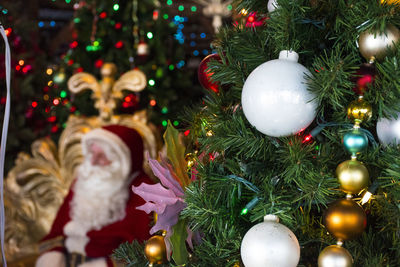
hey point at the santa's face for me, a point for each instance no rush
(97, 155)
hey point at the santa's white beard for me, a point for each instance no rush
(100, 196)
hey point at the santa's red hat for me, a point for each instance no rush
(125, 141)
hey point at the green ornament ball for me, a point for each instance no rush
(355, 141)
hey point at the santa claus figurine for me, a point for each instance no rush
(99, 212)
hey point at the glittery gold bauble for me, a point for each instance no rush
(374, 44)
(155, 249)
(359, 111)
(335, 256)
(190, 159)
(345, 219)
(353, 176)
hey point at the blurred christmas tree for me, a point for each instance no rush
(131, 34)
(291, 132)
(28, 63)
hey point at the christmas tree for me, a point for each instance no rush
(131, 34)
(304, 128)
(28, 63)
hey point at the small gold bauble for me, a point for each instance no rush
(345, 219)
(190, 159)
(155, 249)
(353, 176)
(374, 44)
(359, 111)
(335, 256)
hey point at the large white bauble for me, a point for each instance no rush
(275, 98)
(270, 244)
(272, 5)
(388, 130)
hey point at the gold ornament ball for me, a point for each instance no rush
(359, 111)
(335, 256)
(353, 176)
(345, 219)
(374, 44)
(155, 249)
(190, 159)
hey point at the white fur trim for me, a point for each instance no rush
(51, 259)
(94, 263)
(76, 240)
(114, 141)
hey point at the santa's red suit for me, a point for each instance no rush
(98, 245)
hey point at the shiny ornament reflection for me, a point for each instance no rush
(388, 130)
(374, 44)
(359, 111)
(353, 176)
(345, 219)
(335, 256)
(355, 141)
(155, 249)
(275, 98)
(270, 244)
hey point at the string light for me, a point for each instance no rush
(8, 31)
(164, 123)
(49, 71)
(116, 7)
(164, 110)
(150, 35)
(153, 102)
(34, 104)
(103, 15)
(186, 133)
(21, 62)
(152, 82)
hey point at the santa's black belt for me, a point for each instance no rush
(74, 259)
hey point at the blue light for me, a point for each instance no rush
(41, 24)
(203, 35)
(180, 64)
(196, 53)
(181, 41)
(205, 52)
(192, 35)
(192, 43)
(177, 18)
(52, 23)
(181, 26)
(5, 11)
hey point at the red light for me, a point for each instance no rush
(72, 109)
(187, 132)
(52, 119)
(211, 156)
(155, 14)
(125, 104)
(3, 100)
(8, 31)
(70, 62)
(153, 102)
(103, 15)
(128, 99)
(74, 44)
(99, 63)
(34, 104)
(54, 129)
(119, 44)
(56, 102)
(18, 67)
(250, 19)
(80, 69)
(47, 109)
(118, 25)
(307, 138)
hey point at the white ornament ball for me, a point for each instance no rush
(275, 98)
(272, 5)
(270, 244)
(388, 130)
